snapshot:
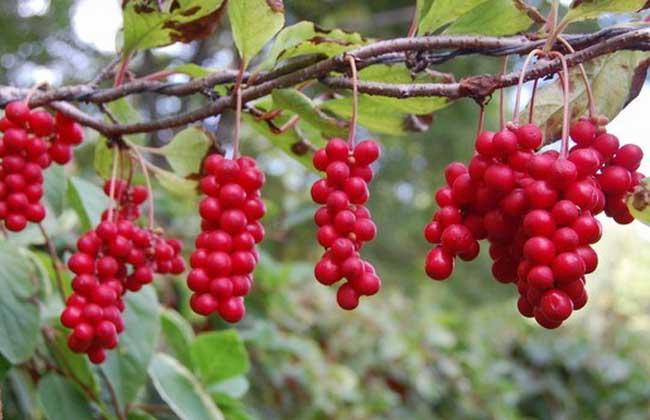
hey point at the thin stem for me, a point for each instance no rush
(289, 124)
(414, 24)
(121, 70)
(590, 94)
(352, 133)
(113, 394)
(481, 120)
(566, 114)
(531, 104)
(113, 181)
(238, 98)
(33, 90)
(56, 262)
(502, 118)
(515, 113)
(147, 180)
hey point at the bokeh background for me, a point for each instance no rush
(419, 349)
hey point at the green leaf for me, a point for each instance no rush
(592, 9)
(178, 335)
(442, 12)
(186, 150)
(193, 70)
(422, 8)
(181, 390)
(124, 112)
(494, 17)
(62, 400)
(219, 355)
(398, 74)
(73, 363)
(306, 38)
(139, 415)
(146, 26)
(54, 186)
(19, 314)
(373, 115)
(233, 409)
(127, 366)
(88, 200)
(5, 365)
(253, 23)
(175, 184)
(301, 104)
(234, 387)
(627, 68)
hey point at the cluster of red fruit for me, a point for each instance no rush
(31, 141)
(344, 224)
(114, 257)
(226, 253)
(536, 210)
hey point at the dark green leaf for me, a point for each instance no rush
(306, 38)
(253, 23)
(88, 200)
(186, 150)
(5, 365)
(592, 9)
(73, 363)
(19, 314)
(178, 335)
(146, 26)
(627, 68)
(219, 355)
(181, 390)
(62, 400)
(126, 367)
(296, 101)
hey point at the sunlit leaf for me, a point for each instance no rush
(494, 17)
(186, 151)
(301, 104)
(254, 23)
(592, 9)
(219, 355)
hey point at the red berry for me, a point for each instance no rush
(484, 143)
(504, 143)
(529, 137)
(347, 297)
(439, 264)
(628, 156)
(453, 171)
(556, 305)
(583, 133)
(366, 152)
(539, 250)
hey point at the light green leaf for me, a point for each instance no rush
(124, 112)
(186, 151)
(422, 8)
(19, 314)
(62, 400)
(306, 38)
(175, 184)
(232, 408)
(253, 23)
(296, 101)
(126, 367)
(234, 387)
(592, 9)
(219, 355)
(443, 12)
(88, 200)
(54, 187)
(146, 26)
(494, 17)
(178, 335)
(616, 79)
(181, 390)
(193, 70)
(73, 363)
(373, 115)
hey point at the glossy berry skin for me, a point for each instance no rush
(226, 254)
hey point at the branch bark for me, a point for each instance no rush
(588, 46)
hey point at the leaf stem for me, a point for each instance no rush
(352, 133)
(113, 181)
(238, 106)
(585, 79)
(502, 118)
(147, 179)
(566, 114)
(529, 57)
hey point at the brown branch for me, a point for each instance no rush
(589, 46)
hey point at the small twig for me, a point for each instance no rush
(481, 119)
(502, 118)
(111, 391)
(289, 124)
(106, 72)
(238, 107)
(56, 262)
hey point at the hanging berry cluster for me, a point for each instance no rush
(537, 211)
(114, 257)
(226, 254)
(32, 140)
(344, 223)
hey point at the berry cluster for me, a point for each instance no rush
(344, 224)
(32, 140)
(536, 210)
(226, 254)
(114, 257)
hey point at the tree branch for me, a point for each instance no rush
(588, 46)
